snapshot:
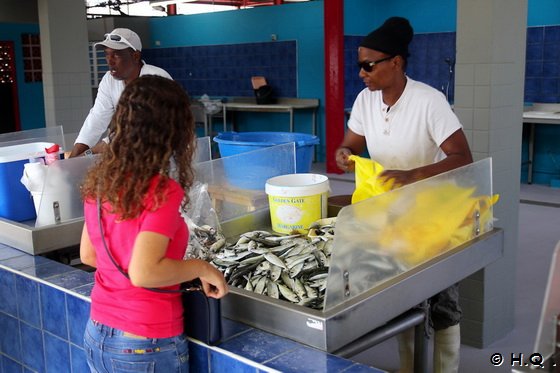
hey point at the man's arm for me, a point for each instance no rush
(78, 149)
(352, 144)
(98, 118)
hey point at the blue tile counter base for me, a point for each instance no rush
(44, 307)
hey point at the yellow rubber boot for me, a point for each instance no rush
(447, 344)
(406, 351)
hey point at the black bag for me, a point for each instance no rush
(202, 316)
(264, 95)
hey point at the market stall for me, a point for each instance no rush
(390, 253)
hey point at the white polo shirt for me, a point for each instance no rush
(410, 133)
(108, 94)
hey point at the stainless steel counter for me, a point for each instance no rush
(337, 327)
(439, 231)
(26, 237)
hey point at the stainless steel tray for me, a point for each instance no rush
(330, 330)
(39, 240)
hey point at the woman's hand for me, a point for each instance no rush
(149, 267)
(398, 178)
(342, 161)
(213, 282)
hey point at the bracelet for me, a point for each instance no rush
(88, 153)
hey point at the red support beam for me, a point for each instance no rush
(334, 79)
(172, 9)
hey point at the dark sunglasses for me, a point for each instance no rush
(368, 66)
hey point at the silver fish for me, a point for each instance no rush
(282, 238)
(251, 260)
(272, 290)
(321, 257)
(218, 244)
(275, 260)
(263, 268)
(311, 293)
(251, 245)
(261, 285)
(249, 285)
(287, 280)
(295, 270)
(292, 261)
(288, 294)
(299, 288)
(275, 272)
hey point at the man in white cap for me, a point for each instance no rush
(123, 50)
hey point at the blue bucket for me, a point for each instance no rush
(233, 143)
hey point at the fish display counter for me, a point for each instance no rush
(388, 254)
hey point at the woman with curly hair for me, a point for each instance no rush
(132, 206)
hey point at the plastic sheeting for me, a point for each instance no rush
(384, 236)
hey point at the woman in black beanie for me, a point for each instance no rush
(409, 128)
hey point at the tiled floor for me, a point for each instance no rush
(539, 222)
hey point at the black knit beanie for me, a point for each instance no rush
(392, 37)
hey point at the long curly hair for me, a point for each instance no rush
(151, 132)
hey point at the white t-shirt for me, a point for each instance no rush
(408, 134)
(108, 94)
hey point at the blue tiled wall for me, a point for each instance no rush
(226, 70)
(44, 307)
(542, 69)
(427, 63)
(542, 84)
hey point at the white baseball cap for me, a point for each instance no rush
(121, 38)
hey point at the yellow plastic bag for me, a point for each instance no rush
(442, 217)
(367, 181)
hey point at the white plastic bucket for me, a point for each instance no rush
(296, 201)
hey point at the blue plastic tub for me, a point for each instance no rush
(233, 143)
(15, 200)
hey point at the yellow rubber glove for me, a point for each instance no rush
(367, 182)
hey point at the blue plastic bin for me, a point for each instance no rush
(16, 202)
(233, 143)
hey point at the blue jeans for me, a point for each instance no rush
(109, 351)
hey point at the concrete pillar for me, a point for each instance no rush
(66, 75)
(489, 82)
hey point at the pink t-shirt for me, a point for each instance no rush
(114, 300)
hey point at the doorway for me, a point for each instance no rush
(9, 107)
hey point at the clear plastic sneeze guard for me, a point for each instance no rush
(48, 134)
(382, 237)
(236, 183)
(60, 199)
(203, 150)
